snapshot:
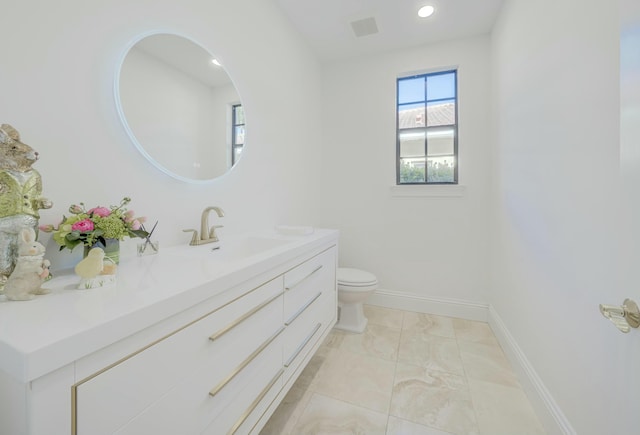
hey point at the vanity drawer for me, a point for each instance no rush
(303, 333)
(246, 403)
(190, 409)
(211, 347)
(302, 283)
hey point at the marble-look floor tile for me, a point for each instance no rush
(435, 353)
(376, 340)
(503, 410)
(397, 426)
(294, 402)
(334, 339)
(486, 363)
(420, 323)
(326, 416)
(358, 379)
(309, 374)
(287, 413)
(383, 316)
(451, 377)
(470, 330)
(435, 399)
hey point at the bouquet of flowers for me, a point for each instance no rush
(88, 227)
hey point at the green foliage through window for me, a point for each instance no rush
(411, 174)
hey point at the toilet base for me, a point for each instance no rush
(351, 318)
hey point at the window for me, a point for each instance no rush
(237, 128)
(427, 129)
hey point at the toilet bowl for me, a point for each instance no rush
(354, 287)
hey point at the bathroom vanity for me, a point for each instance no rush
(189, 341)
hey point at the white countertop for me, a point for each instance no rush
(50, 331)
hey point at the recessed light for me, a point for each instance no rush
(216, 62)
(426, 11)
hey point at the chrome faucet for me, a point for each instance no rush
(207, 234)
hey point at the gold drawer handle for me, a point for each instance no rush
(255, 403)
(303, 279)
(301, 310)
(304, 343)
(242, 318)
(244, 363)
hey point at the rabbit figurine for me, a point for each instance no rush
(20, 195)
(30, 271)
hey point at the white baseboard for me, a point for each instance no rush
(550, 414)
(439, 306)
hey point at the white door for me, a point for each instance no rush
(623, 350)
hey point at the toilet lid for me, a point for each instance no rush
(355, 277)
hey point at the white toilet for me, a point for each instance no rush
(354, 287)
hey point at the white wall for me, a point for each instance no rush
(56, 84)
(555, 226)
(429, 247)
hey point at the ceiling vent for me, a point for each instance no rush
(364, 27)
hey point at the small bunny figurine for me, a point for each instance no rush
(30, 271)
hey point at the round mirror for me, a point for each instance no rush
(180, 107)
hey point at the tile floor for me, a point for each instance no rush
(407, 374)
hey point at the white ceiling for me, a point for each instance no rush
(325, 24)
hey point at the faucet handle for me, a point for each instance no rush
(194, 238)
(212, 232)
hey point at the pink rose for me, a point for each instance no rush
(84, 226)
(100, 211)
(135, 225)
(46, 228)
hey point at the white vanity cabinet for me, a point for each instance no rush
(220, 365)
(181, 383)
(309, 307)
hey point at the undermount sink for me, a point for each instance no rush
(247, 247)
(234, 248)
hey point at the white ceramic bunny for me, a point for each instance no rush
(30, 271)
(20, 195)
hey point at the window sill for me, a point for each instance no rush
(428, 191)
